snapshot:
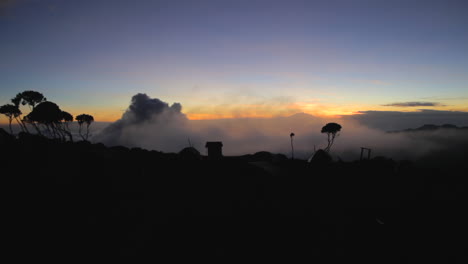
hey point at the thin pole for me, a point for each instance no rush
(292, 145)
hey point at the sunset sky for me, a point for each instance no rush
(237, 58)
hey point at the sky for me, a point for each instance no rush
(226, 59)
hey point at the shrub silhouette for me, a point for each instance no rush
(12, 112)
(84, 119)
(332, 130)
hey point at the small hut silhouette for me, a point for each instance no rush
(214, 150)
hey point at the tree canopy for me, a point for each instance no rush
(45, 113)
(84, 119)
(45, 117)
(31, 98)
(10, 111)
(332, 130)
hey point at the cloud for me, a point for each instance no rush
(153, 124)
(394, 120)
(143, 108)
(414, 104)
(148, 122)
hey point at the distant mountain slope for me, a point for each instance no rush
(394, 120)
(431, 127)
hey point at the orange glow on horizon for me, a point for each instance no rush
(256, 111)
(206, 116)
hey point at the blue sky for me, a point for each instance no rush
(237, 58)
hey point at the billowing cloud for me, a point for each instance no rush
(143, 109)
(148, 122)
(414, 104)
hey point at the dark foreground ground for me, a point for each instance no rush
(69, 201)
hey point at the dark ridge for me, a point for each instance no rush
(82, 200)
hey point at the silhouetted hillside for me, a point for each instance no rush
(82, 199)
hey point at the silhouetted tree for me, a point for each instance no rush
(12, 112)
(61, 127)
(332, 130)
(66, 119)
(47, 114)
(84, 119)
(292, 146)
(31, 98)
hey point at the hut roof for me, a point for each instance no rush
(214, 144)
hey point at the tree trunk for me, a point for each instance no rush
(57, 131)
(292, 148)
(22, 125)
(327, 149)
(25, 127)
(79, 132)
(330, 141)
(69, 132)
(70, 136)
(11, 130)
(48, 129)
(37, 128)
(87, 132)
(19, 123)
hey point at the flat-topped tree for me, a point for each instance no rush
(65, 120)
(332, 130)
(84, 119)
(12, 112)
(47, 114)
(31, 98)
